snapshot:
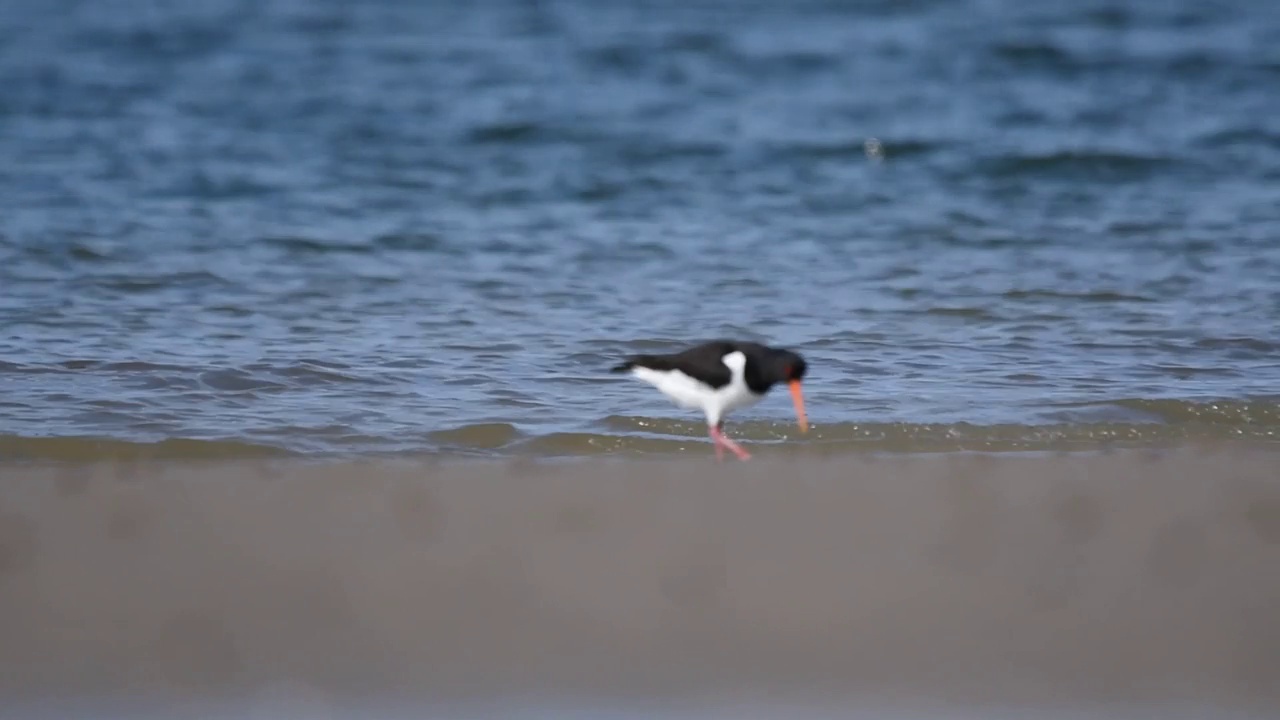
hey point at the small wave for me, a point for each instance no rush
(505, 132)
(88, 253)
(308, 374)
(568, 444)
(411, 242)
(1249, 138)
(1238, 343)
(853, 149)
(302, 245)
(140, 284)
(895, 438)
(16, 448)
(1264, 415)
(1078, 427)
(1028, 55)
(639, 252)
(970, 313)
(134, 366)
(1102, 296)
(230, 380)
(477, 436)
(1083, 164)
(660, 426)
(616, 58)
(7, 367)
(1140, 423)
(643, 149)
(696, 42)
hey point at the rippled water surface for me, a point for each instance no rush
(317, 227)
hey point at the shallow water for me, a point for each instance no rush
(238, 229)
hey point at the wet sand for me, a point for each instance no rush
(1081, 583)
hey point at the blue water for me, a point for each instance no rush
(342, 227)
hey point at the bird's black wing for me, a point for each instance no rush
(702, 362)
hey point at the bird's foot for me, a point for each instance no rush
(723, 442)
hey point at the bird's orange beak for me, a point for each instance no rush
(797, 396)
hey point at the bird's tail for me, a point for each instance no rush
(622, 367)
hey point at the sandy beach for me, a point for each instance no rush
(1068, 581)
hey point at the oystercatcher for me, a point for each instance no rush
(720, 376)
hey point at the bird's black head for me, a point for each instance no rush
(781, 366)
(791, 366)
(786, 366)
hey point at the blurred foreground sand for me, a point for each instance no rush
(1072, 578)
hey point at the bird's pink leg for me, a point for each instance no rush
(721, 440)
(719, 447)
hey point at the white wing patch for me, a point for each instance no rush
(690, 394)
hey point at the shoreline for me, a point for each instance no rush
(1122, 576)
